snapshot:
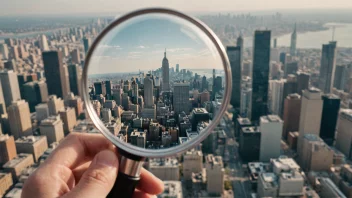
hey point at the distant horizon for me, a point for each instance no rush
(195, 12)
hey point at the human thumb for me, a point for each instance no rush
(99, 178)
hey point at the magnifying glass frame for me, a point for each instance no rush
(157, 153)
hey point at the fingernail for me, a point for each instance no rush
(107, 158)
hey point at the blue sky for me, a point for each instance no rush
(140, 44)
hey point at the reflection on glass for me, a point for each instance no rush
(156, 82)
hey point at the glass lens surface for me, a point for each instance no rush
(156, 81)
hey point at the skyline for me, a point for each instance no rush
(109, 6)
(141, 42)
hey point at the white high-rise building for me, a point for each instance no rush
(276, 95)
(10, 87)
(148, 91)
(215, 174)
(43, 43)
(344, 135)
(106, 114)
(19, 119)
(310, 117)
(270, 141)
(181, 98)
(165, 69)
(4, 51)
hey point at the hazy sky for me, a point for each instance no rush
(15, 7)
(140, 44)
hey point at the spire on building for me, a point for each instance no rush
(165, 53)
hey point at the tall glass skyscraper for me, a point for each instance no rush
(261, 61)
(327, 67)
(331, 107)
(234, 54)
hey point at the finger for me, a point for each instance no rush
(141, 194)
(99, 178)
(78, 148)
(149, 183)
(80, 170)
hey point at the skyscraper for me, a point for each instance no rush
(270, 142)
(34, 93)
(310, 117)
(331, 107)
(291, 68)
(100, 88)
(43, 43)
(56, 74)
(20, 119)
(217, 87)
(327, 67)
(181, 98)
(177, 68)
(261, 60)
(74, 72)
(290, 87)
(52, 128)
(344, 135)
(240, 44)
(234, 54)
(293, 42)
(108, 89)
(86, 43)
(10, 87)
(165, 69)
(292, 111)
(204, 83)
(246, 96)
(4, 50)
(148, 91)
(276, 89)
(302, 81)
(134, 92)
(7, 149)
(75, 57)
(2, 102)
(339, 81)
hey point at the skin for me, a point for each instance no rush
(84, 165)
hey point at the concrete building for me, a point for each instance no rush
(302, 81)
(52, 128)
(148, 91)
(215, 174)
(19, 119)
(41, 111)
(35, 145)
(35, 92)
(55, 105)
(276, 95)
(18, 164)
(240, 123)
(165, 168)
(10, 86)
(342, 177)
(5, 183)
(192, 163)
(267, 185)
(344, 135)
(114, 126)
(310, 117)
(172, 189)
(68, 117)
(246, 102)
(292, 111)
(181, 98)
(97, 106)
(154, 130)
(326, 188)
(106, 115)
(75, 102)
(7, 149)
(316, 154)
(165, 139)
(270, 141)
(138, 138)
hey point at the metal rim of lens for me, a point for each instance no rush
(190, 143)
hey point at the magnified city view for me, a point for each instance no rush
(154, 97)
(156, 84)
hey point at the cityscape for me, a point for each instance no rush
(286, 132)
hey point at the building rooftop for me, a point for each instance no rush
(269, 180)
(29, 139)
(283, 163)
(214, 160)
(200, 111)
(257, 167)
(51, 120)
(4, 137)
(163, 162)
(346, 113)
(270, 118)
(172, 189)
(250, 129)
(244, 121)
(294, 96)
(312, 137)
(18, 159)
(331, 96)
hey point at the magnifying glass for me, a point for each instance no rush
(156, 82)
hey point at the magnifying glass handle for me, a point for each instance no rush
(124, 186)
(129, 174)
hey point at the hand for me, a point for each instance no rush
(83, 165)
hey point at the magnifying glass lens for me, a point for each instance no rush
(155, 82)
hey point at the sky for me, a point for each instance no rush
(140, 45)
(38, 7)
